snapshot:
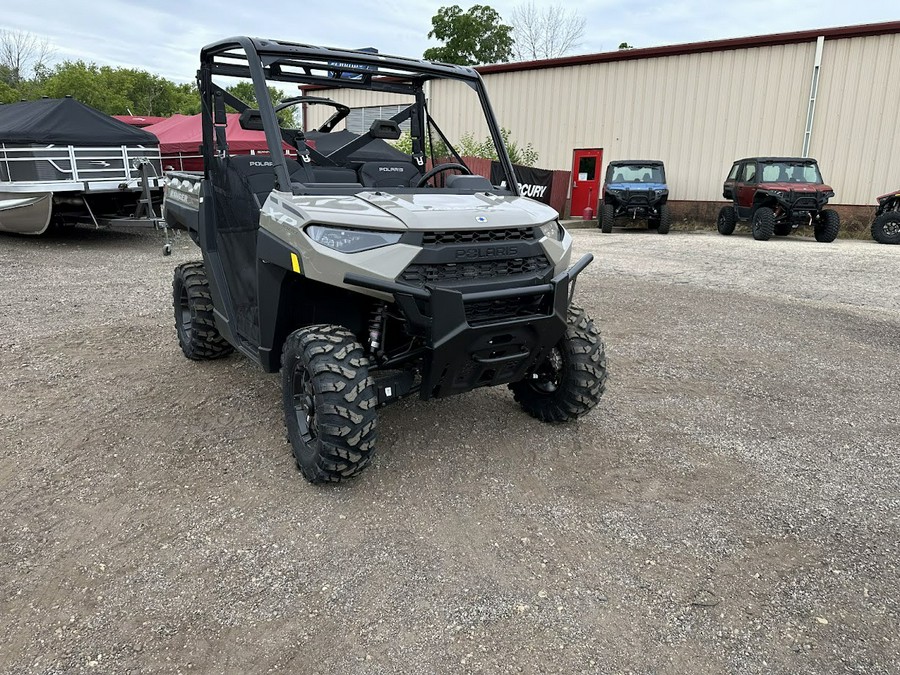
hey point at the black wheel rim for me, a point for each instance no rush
(184, 307)
(304, 403)
(549, 373)
(891, 228)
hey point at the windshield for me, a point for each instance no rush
(790, 172)
(637, 173)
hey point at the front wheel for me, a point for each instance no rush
(828, 226)
(886, 228)
(665, 219)
(763, 225)
(329, 403)
(607, 215)
(570, 382)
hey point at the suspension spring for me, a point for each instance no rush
(376, 327)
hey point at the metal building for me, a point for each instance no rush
(830, 94)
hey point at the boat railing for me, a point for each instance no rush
(74, 163)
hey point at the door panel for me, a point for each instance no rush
(746, 188)
(586, 165)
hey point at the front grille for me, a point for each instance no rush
(477, 236)
(504, 308)
(422, 274)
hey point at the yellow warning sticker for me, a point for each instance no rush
(295, 263)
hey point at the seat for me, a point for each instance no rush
(619, 178)
(243, 184)
(388, 174)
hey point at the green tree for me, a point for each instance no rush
(625, 45)
(472, 37)
(244, 91)
(523, 155)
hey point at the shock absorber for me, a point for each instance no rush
(376, 327)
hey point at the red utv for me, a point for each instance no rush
(777, 195)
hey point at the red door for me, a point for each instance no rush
(586, 164)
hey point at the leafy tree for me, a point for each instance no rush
(625, 45)
(472, 37)
(545, 32)
(244, 91)
(469, 147)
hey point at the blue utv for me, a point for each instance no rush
(635, 189)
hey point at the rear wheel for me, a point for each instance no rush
(726, 221)
(194, 321)
(329, 403)
(827, 226)
(886, 228)
(665, 219)
(763, 225)
(570, 382)
(607, 215)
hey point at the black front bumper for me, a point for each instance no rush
(466, 349)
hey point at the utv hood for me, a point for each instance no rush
(420, 211)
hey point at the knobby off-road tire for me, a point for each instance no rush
(783, 229)
(607, 216)
(665, 219)
(763, 224)
(194, 322)
(886, 228)
(329, 403)
(828, 226)
(727, 220)
(572, 380)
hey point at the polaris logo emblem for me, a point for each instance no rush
(480, 219)
(490, 252)
(261, 164)
(391, 169)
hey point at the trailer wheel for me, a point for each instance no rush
(828, 226)
(886, 228)
(570, 382)
(665, 219)
(329, 403)
(726, 221)
(607, 216)
(763, 224)
(194, 321)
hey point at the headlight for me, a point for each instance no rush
(552, 230)
(346, 240)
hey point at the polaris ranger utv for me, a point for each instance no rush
(365, 273)
(778, 195)
(636, 189)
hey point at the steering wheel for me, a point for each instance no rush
(428, 175)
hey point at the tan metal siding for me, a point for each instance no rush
(696, 112)
(856, 133)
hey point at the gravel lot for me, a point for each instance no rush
(731, 506)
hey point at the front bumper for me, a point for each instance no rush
(466, 349)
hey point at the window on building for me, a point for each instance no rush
(360, 119)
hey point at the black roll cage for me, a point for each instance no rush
(263, 60)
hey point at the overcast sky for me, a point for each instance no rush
(165, 37)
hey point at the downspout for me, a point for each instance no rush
(813, 92)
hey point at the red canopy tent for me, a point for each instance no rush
(180, 137)
(139, 121)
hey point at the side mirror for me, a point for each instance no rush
(251, 120)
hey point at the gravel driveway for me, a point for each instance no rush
(731, 506)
